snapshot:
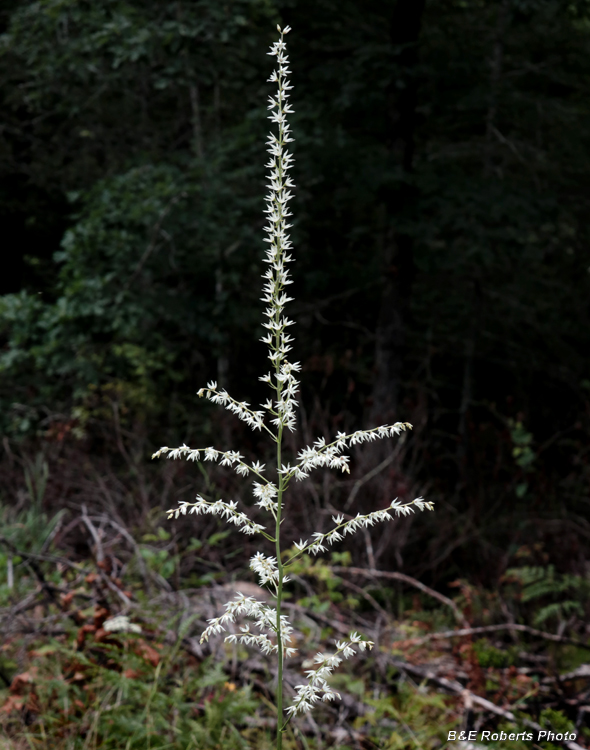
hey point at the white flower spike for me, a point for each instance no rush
(277, 414)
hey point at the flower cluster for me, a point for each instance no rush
(265, 618)
(317, 688)
(328, 454)
(343, 528)
(225, 458)
(266, 568)
(277, 274)
(217, 508)
(266, 494)
(254, 419)
(275, 631)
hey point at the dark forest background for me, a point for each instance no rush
(442, 270)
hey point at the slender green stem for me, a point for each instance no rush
(281, 482)
(279, 598)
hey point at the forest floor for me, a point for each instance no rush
(100, 648)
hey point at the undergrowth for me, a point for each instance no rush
(77, 675)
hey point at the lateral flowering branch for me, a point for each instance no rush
(225, 458)
(228, 511)
(353, 525)
(265, 618)
(254, 419)
(323, 454)
(317, 688)
(277, 414)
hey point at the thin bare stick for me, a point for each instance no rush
(455, 687)
(124, 533)
(373, 473)
(27, 603)
(495, 629)
(31, 563)
(95, 535)
(366, 596)
(583, 671)
(370, 552)
(395, 576)
(154, 239)
(115, 589)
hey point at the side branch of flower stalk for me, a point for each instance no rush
(265, 618)
(317, 688)
(254, 419)
(227, 511)
(322, 454)
(225, 458)
(353, 525)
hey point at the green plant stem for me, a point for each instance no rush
(279, 596)
(280, 727)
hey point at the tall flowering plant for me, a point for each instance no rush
(272, 634)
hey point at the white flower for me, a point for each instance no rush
(266, 567)
(266, 494)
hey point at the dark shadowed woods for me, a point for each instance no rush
(442, 278)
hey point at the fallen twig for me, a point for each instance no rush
(115, 589)
(95, 535)
(395, 576)
(452, 686)
(582, 672)
(495, 629)
(140, 561)
(31, 563)
(43, 558)
(366, 596)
